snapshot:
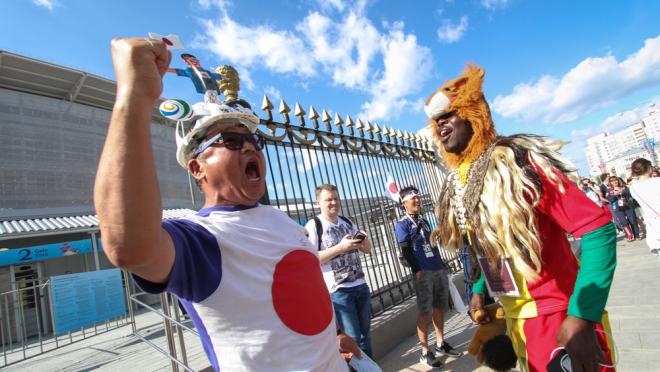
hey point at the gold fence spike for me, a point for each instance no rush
(325, 117)
(338, 120)
(349, 121)
(266, 104)
(359, 124)
(298, 111)
(284, 108)
(313, 115)
(376, 128)
(367, 126)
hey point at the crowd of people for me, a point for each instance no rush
(267, 294)
(633, 219)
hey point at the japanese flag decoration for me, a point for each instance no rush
(172, 41)
(392, 188)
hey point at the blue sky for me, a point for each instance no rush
(567, 69)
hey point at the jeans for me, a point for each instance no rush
(627, 217)
(353, 311)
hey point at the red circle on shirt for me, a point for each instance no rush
(300, 297)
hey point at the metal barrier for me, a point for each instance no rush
(26, 322)
(357, 157)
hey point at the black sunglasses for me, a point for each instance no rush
(232, 141)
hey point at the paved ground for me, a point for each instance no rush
(633, 305)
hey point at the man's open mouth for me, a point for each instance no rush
(252, 171)
(445, 132)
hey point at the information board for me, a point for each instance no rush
(18, 256)
(83, 299)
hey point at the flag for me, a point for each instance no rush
(172, 41)
(392, 188)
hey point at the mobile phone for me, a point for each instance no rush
(359, 235)
(560, 363)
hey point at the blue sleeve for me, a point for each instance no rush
(182, 72)
(197, 267)
(402, 232)
(215, 75)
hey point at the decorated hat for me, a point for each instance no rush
(465, 97)
(193, 122)
(210, 114)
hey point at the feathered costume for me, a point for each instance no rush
(513, 200)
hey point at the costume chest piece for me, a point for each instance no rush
(457, 201)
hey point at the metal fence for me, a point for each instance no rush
(357, 157)
(26, 322)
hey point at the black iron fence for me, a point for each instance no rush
(358, 157)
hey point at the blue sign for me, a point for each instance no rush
(18, 256)
(83, 299)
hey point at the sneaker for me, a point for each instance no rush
(447, 349)
(429, 360)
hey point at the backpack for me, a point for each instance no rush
(319, 228)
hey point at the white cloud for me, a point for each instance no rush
(407, 65)
(272, 93)
(449, 32)
(493, 4)
(48, 4)
(245, 46)
(388, 65)
(344, 50)
(594, 83)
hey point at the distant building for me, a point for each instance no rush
(613, 152)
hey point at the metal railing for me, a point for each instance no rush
(358, 161)
(357, 157)
(26, 323)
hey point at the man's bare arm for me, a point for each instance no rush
(126, 192)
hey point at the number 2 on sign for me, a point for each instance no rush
(25, 254)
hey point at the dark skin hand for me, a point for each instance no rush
(348, 347)
(477, 303)
(575, 334)
(579, 338)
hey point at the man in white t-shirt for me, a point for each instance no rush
(245, 273)
(340, 263)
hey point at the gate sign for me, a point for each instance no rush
(84, 299)
(19, 256)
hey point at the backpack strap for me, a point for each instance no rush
(350, 224)
(319, 228)
(319, 231)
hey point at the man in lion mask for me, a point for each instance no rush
(512, 200)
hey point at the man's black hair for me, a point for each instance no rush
(407, 190)
(604, 176)
(186, 55)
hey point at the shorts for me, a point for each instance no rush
(432, 290)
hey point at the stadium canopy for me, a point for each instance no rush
(28, 75)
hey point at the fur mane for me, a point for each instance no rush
(503, 223)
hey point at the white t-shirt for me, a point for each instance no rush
(345, 270)
(250, 281)
(647, 194)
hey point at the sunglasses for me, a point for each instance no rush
(232, 141)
